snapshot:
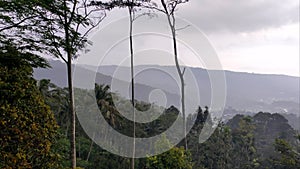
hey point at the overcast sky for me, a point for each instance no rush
(260, 36)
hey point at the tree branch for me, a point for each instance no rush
(183, 71)
(183, 27)
(18, 23)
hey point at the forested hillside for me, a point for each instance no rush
(243, 142)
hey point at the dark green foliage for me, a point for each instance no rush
(13, 58)
(174, 158)
(217, 151)
(268, 128)
(289, 157)
(244, 151)
(27, 126)
(273, 138)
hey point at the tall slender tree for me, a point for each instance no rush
(131, 12)
(168, 9)
(132, 5)
(74, 17)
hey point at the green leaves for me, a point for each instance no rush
(288, 155)
(27, 127)
(175, 158)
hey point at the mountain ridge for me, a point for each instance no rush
(245, 91)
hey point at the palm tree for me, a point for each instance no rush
(105, 103)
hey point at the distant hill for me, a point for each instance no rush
(245, 91)
(57, 74)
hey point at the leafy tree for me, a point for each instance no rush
(72, 17)
(214, 153)
(174, 158)
(243, 144)
(27, 126)
(289, 157)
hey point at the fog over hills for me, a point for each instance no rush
(247, 92)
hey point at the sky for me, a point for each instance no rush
(257, 36)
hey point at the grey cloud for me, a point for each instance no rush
(231, 15)
(240, 15)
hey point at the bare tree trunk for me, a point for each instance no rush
(68, 50)
(172, 25)
(131, 18)
(91, 147)
(181, 74)
(182, 86)
(72, 111)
